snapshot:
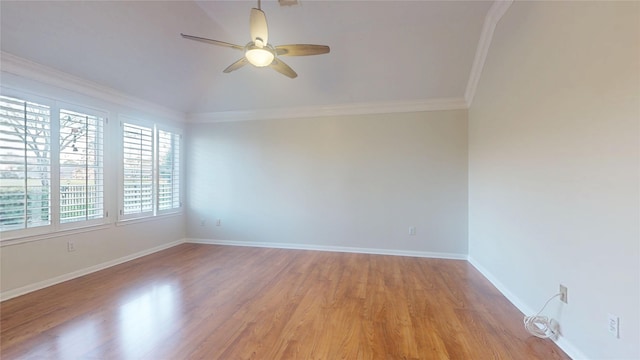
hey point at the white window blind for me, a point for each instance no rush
(81, 167)
(168, 170)
(25, 164)
(137, 170)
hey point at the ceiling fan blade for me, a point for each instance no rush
(258, 27)
(301, 49)
(211, 41)
(283, 68)
(236, 65)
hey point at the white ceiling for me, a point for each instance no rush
(381, 51)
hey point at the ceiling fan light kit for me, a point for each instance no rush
(259, 57)
(258, 52)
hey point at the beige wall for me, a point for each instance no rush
(554, 168)
(345, 181)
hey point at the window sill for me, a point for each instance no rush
(21, 239)
(125, 222)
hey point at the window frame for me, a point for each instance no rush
(105, 203)
(178, 133)
(36, 230)
(55, 225)
(155, 212)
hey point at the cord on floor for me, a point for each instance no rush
(542, 326)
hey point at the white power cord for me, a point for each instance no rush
(542, 326)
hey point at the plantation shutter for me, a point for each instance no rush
(137, 170)
(168, 170)
(25, 162)
(81, 167)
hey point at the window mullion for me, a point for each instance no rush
(26, 169)
(156, 171)
(86, 168)
(141, 173)
(55, 166)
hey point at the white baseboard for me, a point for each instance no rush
(562, 342)
(424, 254)
(6, 295)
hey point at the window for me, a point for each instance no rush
(51, 162)
(81, 169)
(54, 166)
(25, 164)
(150, 171)
(137, 154)
(168, 170)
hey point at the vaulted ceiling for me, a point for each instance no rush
(381, 51)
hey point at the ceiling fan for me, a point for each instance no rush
(258, 52)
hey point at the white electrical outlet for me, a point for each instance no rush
(218, 222)
(412, 230)
(71, 246)
(563, 294)
(613, 324)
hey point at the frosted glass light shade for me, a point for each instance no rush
(259, 57)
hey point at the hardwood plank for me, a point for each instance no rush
(215, 302)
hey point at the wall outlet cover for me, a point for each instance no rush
(613, 323)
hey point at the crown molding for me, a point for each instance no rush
(330, 110)
(28, 69)
(495, 13)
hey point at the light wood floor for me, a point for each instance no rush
(216, 302)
